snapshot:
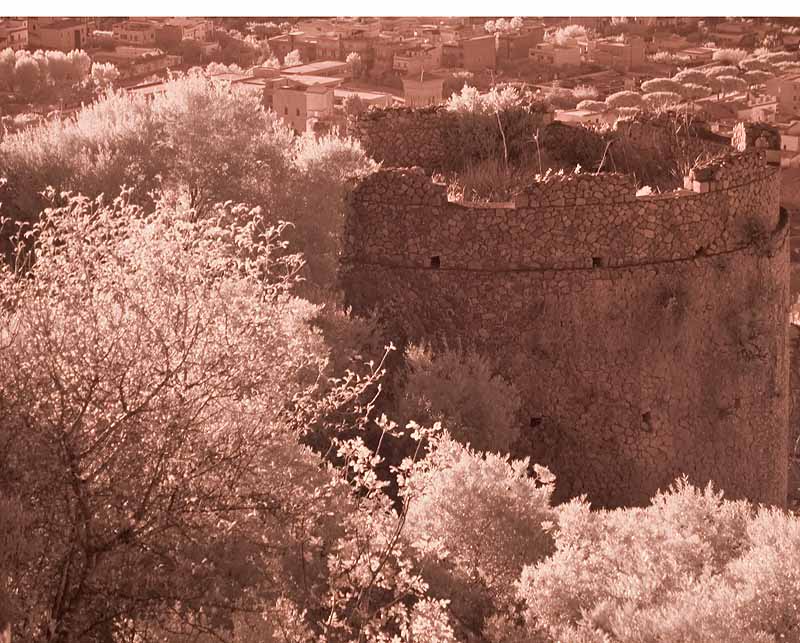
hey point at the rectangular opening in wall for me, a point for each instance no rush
(536, 422)
(647, 421)
(435, 262)
(598, 262)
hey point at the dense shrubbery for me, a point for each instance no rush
(156, 478)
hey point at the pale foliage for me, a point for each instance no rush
(477, 519)
(104, 75)
(585, 92)
(660, 85)
(292, 59)
(460, 389)
(624, 99)
(729, 56)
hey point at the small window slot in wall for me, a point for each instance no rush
(647, 421)
(598, 262)
(701, 252)
(536, 422)
(436, 262)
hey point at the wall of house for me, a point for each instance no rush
(647, 335)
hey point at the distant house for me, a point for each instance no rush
(664, 41)
(423, 90)
(13, 34)
(622, 55)
(171, 31)
(551, 54)
(515, 46)
(379, 99)
(331, 68)
(298, 105)
(63, 34)
(134, 62)
(416, 59)
(790, 136)
(699, 55)
(137, 33)
(786, 89)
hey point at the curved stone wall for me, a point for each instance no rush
(647, 335)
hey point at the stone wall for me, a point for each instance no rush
(647, 335)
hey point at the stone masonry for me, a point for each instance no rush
(647, 335)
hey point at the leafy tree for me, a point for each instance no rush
(292, 59)
(460, 389)
(146, 444)
(563, 35)
(285, 27)
(722, 70)
(190, 51)
(729, 56)
(7, 64)
(730, 84)
(753, 78)
(660, 85)
(593, 105)
(690, 567)
(489, 26)
(27, 77)
(624, 99)
(755, 64)
(104, 75)
(661, 100)
(561, 98)
(691, 91)
(81, 63)
(60, 68)
(353, 105)
(353, 61)
(515, 24)
(477, 520)
(691, 76)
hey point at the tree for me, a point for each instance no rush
(624, 99)
(722, 70)
(660, 85)
(353, 105)
(155, 456)
(730, 84)
(292, 59)
(560, 98)
(691, 91)
(661, 100)
(81, 64)
(729, 56)
(592, 105)
(27, 77)
(691, 76)
(460, 389)
(563, 35)
(515, 24)
(104, 75)
(60, 68)
(754, 78)
(489, 26)
(7, 63)
(353, 61)
(190, 51)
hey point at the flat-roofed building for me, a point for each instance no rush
(332, 68)
(138, 33)
(299, 105)
(13, 34)
(63, 34)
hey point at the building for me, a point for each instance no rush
(282, 45)
(135, 62)
(423, 90)
(137, 33)
(786, 89)
(13, 34)
(299, 105)
(478, 53)
(515, 46)
(622, 55)
(172, 31)
(418, 58)
(790, 136)
(553, 55)
(378, 99)
(331, 68)
(63, 34)
(665, 41)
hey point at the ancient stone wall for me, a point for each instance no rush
(647, 335)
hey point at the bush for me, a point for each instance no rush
(478, 520)
(624, 99)
(460, 388)
(691, 567)
(730, 56)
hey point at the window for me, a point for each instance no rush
(298, 111)
(285, 111)
(435, 261)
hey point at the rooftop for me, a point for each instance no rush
(312, 68)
